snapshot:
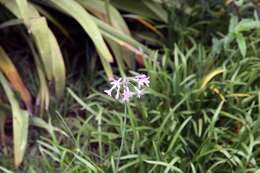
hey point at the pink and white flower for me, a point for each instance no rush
(109, 92)
(141, 80)
(139, 92)
(127, 94)
(128, 87)
(116, 83)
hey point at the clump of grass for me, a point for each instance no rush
(201, 115)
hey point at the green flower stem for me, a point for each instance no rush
(123, 130)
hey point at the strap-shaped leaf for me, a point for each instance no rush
(157, 9)
(112, 17)
(23, 8)
(43, 97)
(98, 8)
(8, 68)
(122, 39)
(81, 15)
(53, 20)
(40, 31)
(48, 48)
(58, 66)
(20, 123)
(146, 8)
(50, 52)
(210, 76)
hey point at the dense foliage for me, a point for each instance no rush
(200, 114)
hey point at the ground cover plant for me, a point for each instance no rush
(199, 114)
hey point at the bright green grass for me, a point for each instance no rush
(201, 114)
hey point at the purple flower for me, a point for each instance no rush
(109, 92)
(141, 80)
(139, 92)
(116, 83)
(127, 87)
(127, 94)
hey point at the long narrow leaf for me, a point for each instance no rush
(23, 8)
(76, 11)
(8, 68)
(46, 43)
(20, 123)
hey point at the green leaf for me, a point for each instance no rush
(23, 8)
(40, 32)
(120, 38)
(215, 119)
(48, 48)
(241, 43)
(50, 53)
(53, 20)
(75, 10)
(177, 134)
(43, 96)
(5, 170)
(58, 66)
(98, 8)
(156, 9)
(142, 7)
(20, 123)
(232, 23)
(12, 22)
(38, 122)
(247, 25)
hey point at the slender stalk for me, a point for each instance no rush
(123, 130)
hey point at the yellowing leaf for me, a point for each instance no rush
(239, 95)
(50, 57)
(210, 76)
(8, 68)
(146, 23)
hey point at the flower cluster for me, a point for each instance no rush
(127, 87)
